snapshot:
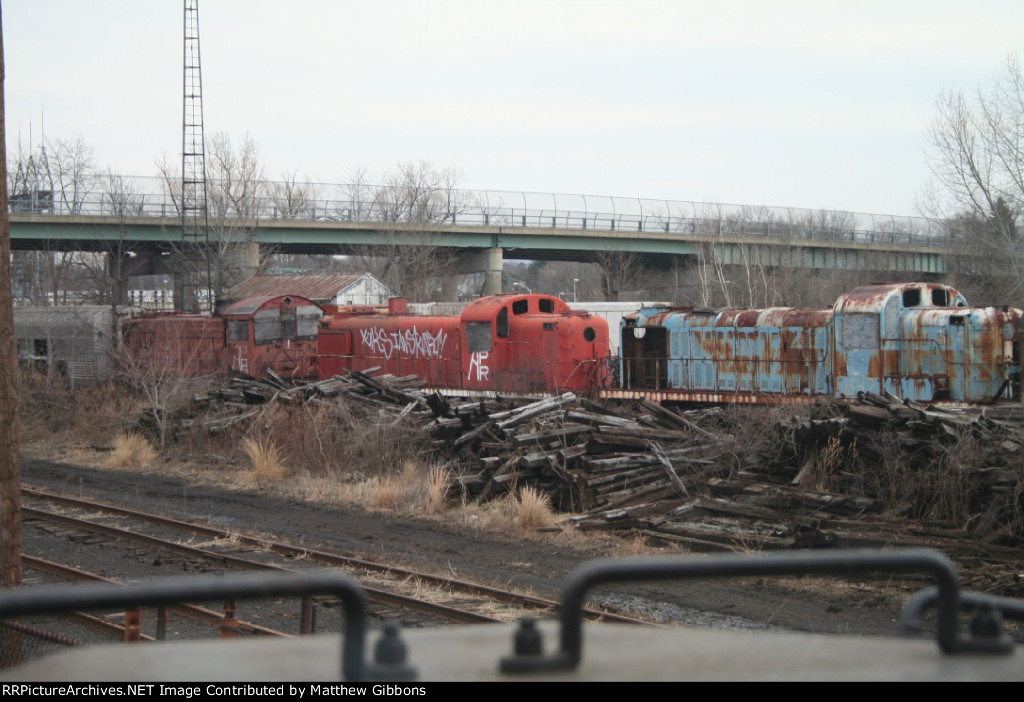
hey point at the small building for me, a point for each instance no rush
(324, 289)
(77, 341)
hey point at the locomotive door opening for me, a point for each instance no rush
(645, 358)
(857, 354)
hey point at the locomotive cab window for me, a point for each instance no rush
(308, 320)
(911, 298)
(520, 307)
(503, 323)
(940, 297)
(546, 306)
(478, 337)
(266, 326)
(238, 330)
(589, 334)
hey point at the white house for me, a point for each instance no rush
(324, 289)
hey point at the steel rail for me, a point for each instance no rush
(337, 560)
(380, 596)
(207, 616)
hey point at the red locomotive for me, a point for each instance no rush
(501, 343)
(526, 344)
(272, 333)
(248, 338)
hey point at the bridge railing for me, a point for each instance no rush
(360, 203)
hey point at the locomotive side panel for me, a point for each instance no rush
(773, 355)
(583, 353)
(186, 344)
(400, 345)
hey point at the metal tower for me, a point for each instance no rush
(195, 236)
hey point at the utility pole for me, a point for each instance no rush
(195, 230)
(10, 460)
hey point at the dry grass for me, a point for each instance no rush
(533, 510)
(130, 451)
(265, 459)
(386, 493)
(438, 484)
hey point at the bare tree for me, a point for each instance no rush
(622, 274)
(109, 270)
(55, 177)
(156, 369)
(72, 163)
(292, 199)
(237, 198)
(408, 258)
(977, 161)
(419, 193)
(411, 264)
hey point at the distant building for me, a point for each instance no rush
(325, 289)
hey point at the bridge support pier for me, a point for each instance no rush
(490, 262)
(227, 268)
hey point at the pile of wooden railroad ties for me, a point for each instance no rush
(685, 477)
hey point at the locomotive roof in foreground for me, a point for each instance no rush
(250, 305)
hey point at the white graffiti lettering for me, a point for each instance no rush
(241, 363)
(476, 362)
(408, 342)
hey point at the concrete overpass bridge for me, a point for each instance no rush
(487, 228)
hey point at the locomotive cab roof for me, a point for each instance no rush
(871, 298)
(251, 305)
(487, 308)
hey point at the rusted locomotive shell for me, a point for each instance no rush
(922, 342)
(917, 341)
(733, 355)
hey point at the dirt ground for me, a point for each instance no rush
(536, 563)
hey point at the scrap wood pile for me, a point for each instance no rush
(877, 472)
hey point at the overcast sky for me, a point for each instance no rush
(807, 104)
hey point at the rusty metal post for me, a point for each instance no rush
(10, 468)
(161, 623)
(132, 625)
(306, 615)
(229, 625)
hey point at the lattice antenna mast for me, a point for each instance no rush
(195, 230)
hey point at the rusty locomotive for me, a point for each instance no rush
(915, 341)
(251, 337)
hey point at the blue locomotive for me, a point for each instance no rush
(915, 341)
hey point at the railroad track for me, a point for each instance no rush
(86, 520)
